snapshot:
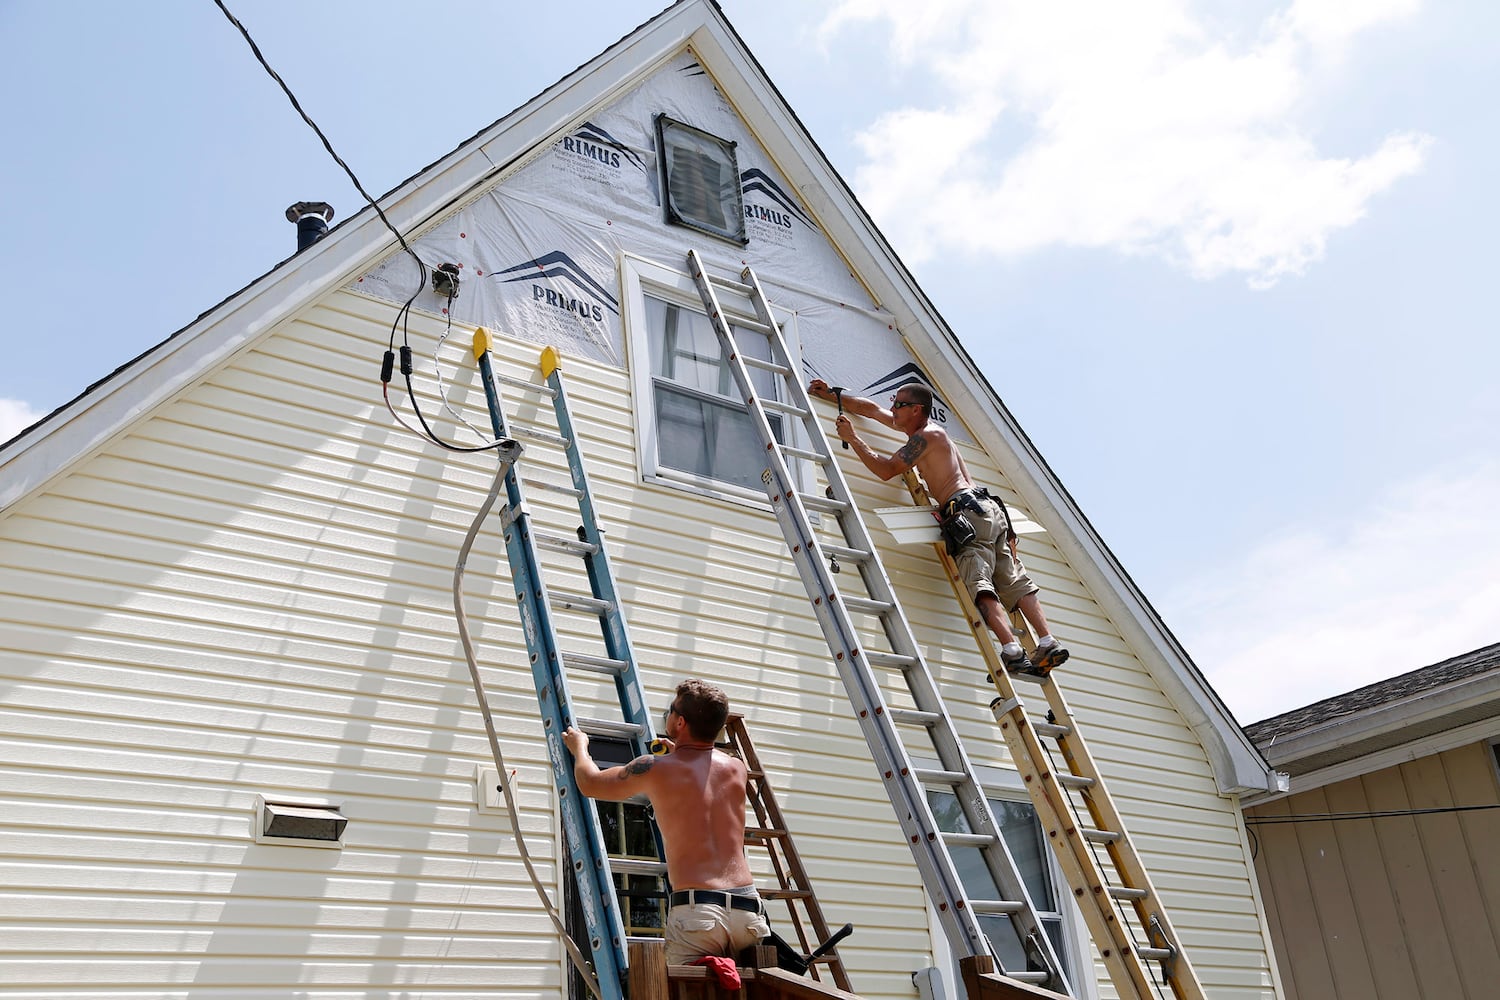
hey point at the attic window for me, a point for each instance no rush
(701, 178)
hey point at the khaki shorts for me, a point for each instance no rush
(985, 564)
(700, 929)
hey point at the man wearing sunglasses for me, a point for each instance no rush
(975, 525)
(698, 795)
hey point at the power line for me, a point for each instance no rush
(314, 126)
(1377, 814)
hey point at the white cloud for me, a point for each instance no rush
(1410, 580)
(1123, 126)
(15, 416)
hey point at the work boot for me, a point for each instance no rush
(1045, 658)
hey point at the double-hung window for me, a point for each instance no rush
(694, 429)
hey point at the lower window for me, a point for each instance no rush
(1018, 825)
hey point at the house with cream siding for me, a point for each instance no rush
(1378, 865)
(226, 574)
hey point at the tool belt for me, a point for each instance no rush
(956, 531)
(973, 499)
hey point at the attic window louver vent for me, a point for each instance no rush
(701, 179)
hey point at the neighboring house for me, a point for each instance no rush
(227, 577)
(1379, 870)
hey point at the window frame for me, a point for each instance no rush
(641, 277)
(665, 123)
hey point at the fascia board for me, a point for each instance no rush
(1238, 767)
(86, 424)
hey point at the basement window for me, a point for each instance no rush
(700, 179)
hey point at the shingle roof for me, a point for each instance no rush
(1394, 689)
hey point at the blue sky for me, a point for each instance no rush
(1226, 263)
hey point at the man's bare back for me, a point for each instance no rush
(697, 793)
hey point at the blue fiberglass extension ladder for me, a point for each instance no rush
(587, 855)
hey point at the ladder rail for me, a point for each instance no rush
(1124, 957)
(582, 836)
(791, 875)
(959, 918)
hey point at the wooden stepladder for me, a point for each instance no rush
(863, 659)
(540, 607)
(770, 833)
(1100, 882)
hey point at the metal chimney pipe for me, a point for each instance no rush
(312, 219)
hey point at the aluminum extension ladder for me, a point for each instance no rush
(905, 784)
(1076, 843)
(583, 837)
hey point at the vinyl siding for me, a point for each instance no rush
(249, 593)
(1395, 907)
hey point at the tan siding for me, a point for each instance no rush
(1392, 906)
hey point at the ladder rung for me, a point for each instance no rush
(562, 543)
(526, 386)
(580, 602)
(901, 660)
(996, 906)
(765, 833)
(827, 505)
(968, 839)
(789, 408)
(637, 866)
(915, 717)
(1050, 729)
(846, 554)
(1100, 836)
(605, 727)
(546, 487)
(1126, 892)
(729, 283)
(537, 434)
(803, 453)
(1155, 954)
(596, 664)
(867, 605)
(932, 776)
(784, 894)
(766, 366)
(1075, 781)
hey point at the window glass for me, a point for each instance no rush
(1023, 836)
(626, 827)
(702, 426)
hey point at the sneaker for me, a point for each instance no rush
(1044, 659)
(1018, 664)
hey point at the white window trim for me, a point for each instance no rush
(1002, 783)
(638, 277)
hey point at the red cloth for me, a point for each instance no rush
(724, 968)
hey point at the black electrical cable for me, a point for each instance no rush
(1374, 814)
(326, 144)
(405, 311)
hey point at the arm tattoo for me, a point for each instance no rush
(912, 449)
(638, 766)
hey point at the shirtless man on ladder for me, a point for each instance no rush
(698, 794)
(975, 525)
